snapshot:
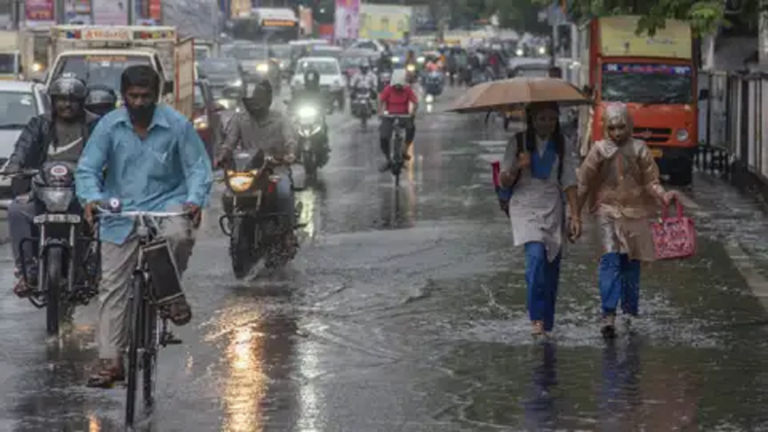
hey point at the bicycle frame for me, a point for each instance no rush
(145, 335)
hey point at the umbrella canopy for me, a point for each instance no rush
(500, 94)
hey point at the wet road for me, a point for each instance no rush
(405, 311)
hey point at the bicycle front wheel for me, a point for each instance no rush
(136, 345)
(149, 364)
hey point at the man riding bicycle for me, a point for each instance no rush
(59, 136)
(397, 99)
(155, 161)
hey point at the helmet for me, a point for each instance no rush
(261, 97)
(364, 67)
(68, 86)
(398, 79)
(101, 99)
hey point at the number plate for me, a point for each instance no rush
(657, 153)
(57, 218)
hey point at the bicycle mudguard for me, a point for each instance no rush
(163, 271)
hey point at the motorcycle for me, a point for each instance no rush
(411, 74)
(433, 84)
(251, 218)
(361, 104)
(67, 254)
(313, 138)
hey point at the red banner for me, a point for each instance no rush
(39, 11)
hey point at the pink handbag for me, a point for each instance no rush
(674, 237)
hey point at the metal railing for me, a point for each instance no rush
(731, 139)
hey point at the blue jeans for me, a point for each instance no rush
(619, 279)
(20, 215)
(542, 278)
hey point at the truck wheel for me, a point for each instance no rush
(683, 176)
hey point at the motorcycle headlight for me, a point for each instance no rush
(37, 67)
(240, 182)
(201, 122)
(262, 67)
(519, 52)
(236, 83)
(411, 68)
(430, 98)
(421, 59)
(681, 135)
(307, 112)
(226, 103)
(56, 200)
(395, 60)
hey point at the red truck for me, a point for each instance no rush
(656, 77)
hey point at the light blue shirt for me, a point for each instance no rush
(162, 172)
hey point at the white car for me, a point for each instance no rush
(19, 102)
(331, 79)
(366, 44)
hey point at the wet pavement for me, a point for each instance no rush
(405, 311)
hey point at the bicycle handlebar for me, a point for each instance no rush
(23, 173)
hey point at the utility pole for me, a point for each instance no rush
(763, 33)
(131, 5)
(60, 12)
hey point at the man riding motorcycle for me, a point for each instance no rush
(101, 100)
(384, 63)
(396, 99)
(312, 95)
(366, 78)
(58, 136)
(260, 128)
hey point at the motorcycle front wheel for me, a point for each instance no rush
(241, 246)
(52, 283)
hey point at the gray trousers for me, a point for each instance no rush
(117, 265)
(21, 211)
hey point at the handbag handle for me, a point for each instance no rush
(678, 207)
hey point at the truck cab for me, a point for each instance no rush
(100, 54)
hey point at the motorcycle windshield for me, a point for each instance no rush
(248, 160)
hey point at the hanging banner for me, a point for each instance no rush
(305, 20)
(110, 12)
(347, 19)
(39, 13)
(148, 12)
(77, 12)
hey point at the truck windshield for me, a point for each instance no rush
(100, 69)
(7, 63)
(647, 83)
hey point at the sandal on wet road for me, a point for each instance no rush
(21, 289)
(106, 376)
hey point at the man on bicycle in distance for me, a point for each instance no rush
(154, 161)
(396, 99)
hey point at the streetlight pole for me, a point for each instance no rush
(131, 11)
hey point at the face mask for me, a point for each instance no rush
(142, 113)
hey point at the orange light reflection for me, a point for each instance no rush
(246, 384)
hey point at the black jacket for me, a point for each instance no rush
(32, 146)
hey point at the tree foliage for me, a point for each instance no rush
(705, 16)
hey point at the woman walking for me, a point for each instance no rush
(621, 173)
(540, 165)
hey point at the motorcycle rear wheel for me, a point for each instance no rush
(52, 283)
(241, 247)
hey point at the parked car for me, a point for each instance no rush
(19, 102)
(207, 117)
(331, 79)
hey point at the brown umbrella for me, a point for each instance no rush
(500, 94)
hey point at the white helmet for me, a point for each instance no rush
(398, 78)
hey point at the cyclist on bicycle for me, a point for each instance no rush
(155, 161)
(397, 99)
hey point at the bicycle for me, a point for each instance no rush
(398, 139)
(145, 338)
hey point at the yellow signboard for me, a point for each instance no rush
(277, 23)
(618, 39)
(384, 21)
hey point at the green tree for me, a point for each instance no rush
(705, 16)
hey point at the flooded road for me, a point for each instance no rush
(405, 311)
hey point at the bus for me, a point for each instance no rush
(273, 25)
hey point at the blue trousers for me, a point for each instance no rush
(619, 279)
(542, 278)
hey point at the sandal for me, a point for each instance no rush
(179, 312)
(21, 289)
(537, 329)
(106, 376)
(609, 327)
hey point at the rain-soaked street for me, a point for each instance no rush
(405, 311)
